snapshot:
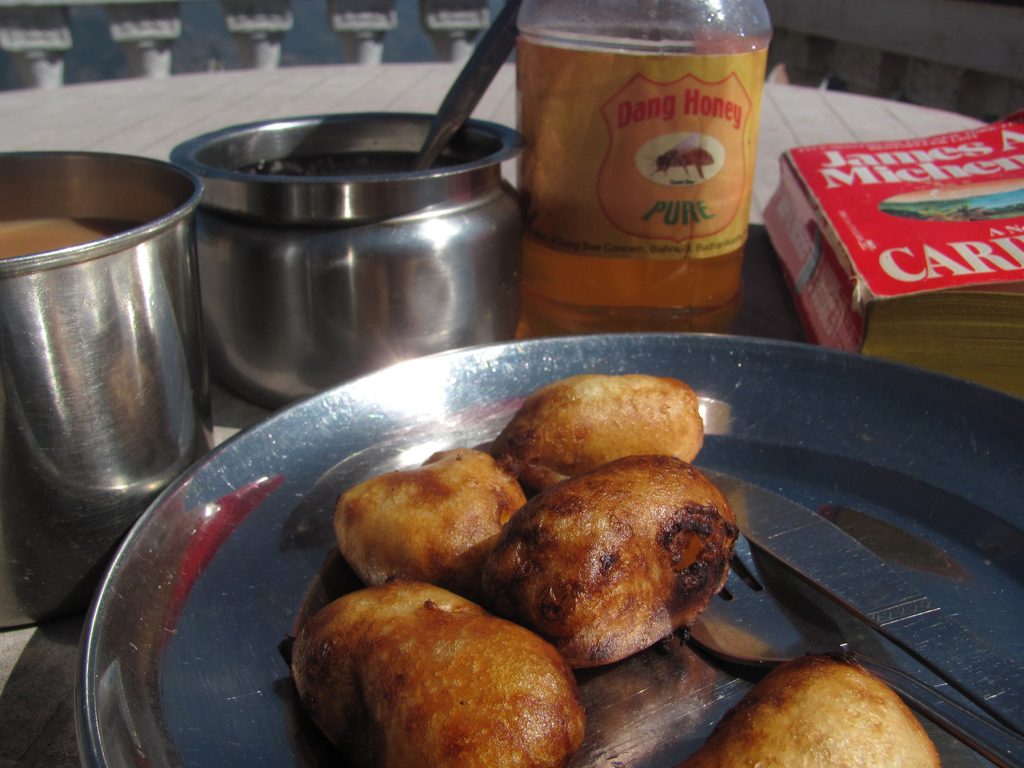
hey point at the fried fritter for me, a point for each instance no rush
(609, 562)
(818, 711)
(436, 523)
(576, 424)
(408, 674)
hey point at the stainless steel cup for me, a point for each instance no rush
(323, 256)
(104, 394)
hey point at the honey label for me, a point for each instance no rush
(675, 167)
(646, 156)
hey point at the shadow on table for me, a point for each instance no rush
(37, 704)
(767, 310)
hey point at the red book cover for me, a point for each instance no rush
(860, 222)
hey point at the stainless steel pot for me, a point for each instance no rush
(104, 394)
(322, 256)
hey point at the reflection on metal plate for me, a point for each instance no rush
(181, 663)
(717, 416)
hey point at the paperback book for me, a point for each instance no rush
(911, 250)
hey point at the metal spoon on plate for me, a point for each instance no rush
(752, 626)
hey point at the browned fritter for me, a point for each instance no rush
(609, 562)
(435, 523)
(579, 423)
(818, 711)
(408, 674)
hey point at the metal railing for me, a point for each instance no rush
(37, 36)
(963, 55)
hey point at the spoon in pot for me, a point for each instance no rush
(488, 56)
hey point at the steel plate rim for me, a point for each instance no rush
(91, 746)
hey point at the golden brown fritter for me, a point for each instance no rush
(576, 424)
(408, 674)
(609, 562)
(818, 711)
(436, 523)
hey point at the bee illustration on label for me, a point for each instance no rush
(676, 159)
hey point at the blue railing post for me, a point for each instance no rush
(36, 37)
(145, 31)
(453, 25)
(361, 25)
(259, 26)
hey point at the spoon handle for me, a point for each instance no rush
(487, 57)
(986, 737)
(858, 580)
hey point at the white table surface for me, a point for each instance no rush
(150, 117)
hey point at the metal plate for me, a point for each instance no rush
(181, 665)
